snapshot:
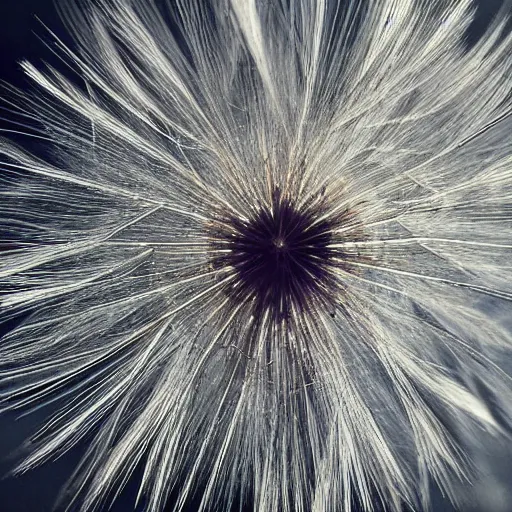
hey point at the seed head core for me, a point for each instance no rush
(282, 255)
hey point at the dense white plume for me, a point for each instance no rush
(129, 248)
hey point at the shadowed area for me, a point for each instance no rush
(281, 256)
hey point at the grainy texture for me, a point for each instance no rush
(258, 258)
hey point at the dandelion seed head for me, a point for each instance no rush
(259, 260)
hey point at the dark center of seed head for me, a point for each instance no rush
(280, 256)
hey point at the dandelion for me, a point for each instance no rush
(260, 259)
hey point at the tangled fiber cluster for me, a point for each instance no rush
(259, 256)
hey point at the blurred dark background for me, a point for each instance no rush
(22, 36)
